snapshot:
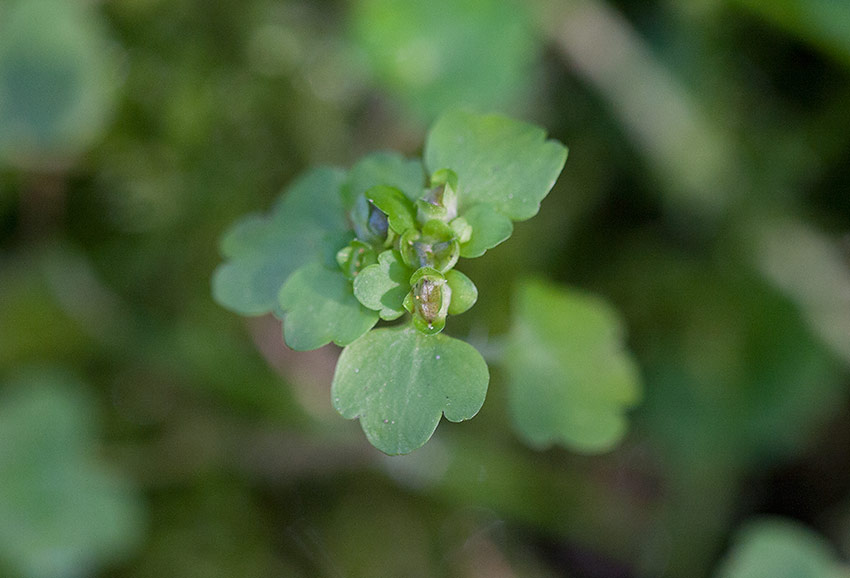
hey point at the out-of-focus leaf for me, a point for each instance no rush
(570, 378)
(499, 161)
(399, 383)
(439, 54)
(319, 307)
(265, 251)
(58, 80)
(388, 169)
(62, 512)
(777, 548)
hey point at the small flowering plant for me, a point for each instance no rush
(344, 250)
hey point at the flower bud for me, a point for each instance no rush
(428, 300)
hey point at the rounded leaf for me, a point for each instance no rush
(383, 286)
(571, 381)
(399, 383)
(319, 306)
(59, 76)
(464, 292)
(499, 161)
(264, 251)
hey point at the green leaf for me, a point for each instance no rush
(59, 75)
(319, 306)
(400, 211)
(464, 292)
(384, 168)
(434, 55)
(264, 251)
(61, 509)
(489, 228)
(777, 548)
(399, 383)
(570, 379)
(383, 286)
(499, 161)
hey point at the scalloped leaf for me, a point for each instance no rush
(399, 383)
(489, 228)
(383, 286)
(61, 508)
(779, 548)
(499, 161)
(264, 251)
(319, 307)
(570, 379)
(385, 168)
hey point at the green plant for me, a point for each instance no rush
(342, 251)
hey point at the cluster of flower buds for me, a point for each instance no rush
(425, 235)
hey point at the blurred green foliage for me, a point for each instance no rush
(706, 197)
(62, 513)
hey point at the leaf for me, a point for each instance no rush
(383, 286)
(319, 306)
(388, 169)
(400, 211)
(777, 548)
(489, 228)
(264, 251)
(399, 383)
(464, 292)
(59, 75)
(61, 509)
(499, 161)
(570, 380)
(433, 55)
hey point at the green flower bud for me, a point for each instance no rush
(436, 246)
(355, 257)
(440, 201)
(429, 300)
(370, 223)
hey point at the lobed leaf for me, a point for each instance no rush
(499, 161)
(265, 251)
(318, 307)
(399, 383)
(383, 286)
(570, 380)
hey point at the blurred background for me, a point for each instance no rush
(147, 432)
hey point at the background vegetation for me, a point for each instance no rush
(145, 431)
